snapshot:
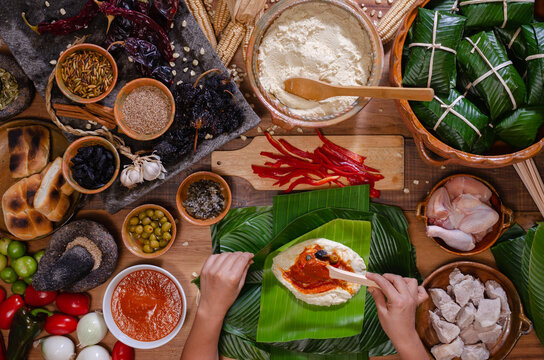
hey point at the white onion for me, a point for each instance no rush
(58, 348)
(91, 329)
(95, 352)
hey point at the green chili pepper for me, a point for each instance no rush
(26, 326)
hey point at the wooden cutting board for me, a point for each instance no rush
(383, 152)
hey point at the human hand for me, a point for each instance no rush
(221, 279)
(396, 302)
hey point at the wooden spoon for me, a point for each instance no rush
(318, 90)
(335, 273)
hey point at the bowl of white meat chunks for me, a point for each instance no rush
(473, 313)
(464, 214)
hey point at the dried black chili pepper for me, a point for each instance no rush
(142, 6)
(67, 25)
(120, 28)
(164, 11)
(157, 33)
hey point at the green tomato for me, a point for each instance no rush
(16, 249)
(19, 287)
(25, 266)
(38, 256)
(3, 262)
(28, 279)
(8, 275)
(4, 242)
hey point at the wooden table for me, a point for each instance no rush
(193, 244)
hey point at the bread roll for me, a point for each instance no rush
(21, 219)
(50, 200)
(28, 150)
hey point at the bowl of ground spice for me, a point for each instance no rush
(90, 164)
(144, 109)
(86, 73)
(203, 198)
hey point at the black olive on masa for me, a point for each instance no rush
(321, 254)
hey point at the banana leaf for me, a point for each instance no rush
(449, 31)
(485, 16)
(536, 282)
(534, 37)
(285, 318)
(235, 347)
(280, 354)
(444, 6)
(452, 130)
(464, 86)
(520, 128)
(485, 142)
(288, 207)
(515, 45)
(491, 88)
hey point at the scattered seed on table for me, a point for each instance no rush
(185, 70)
(62, 11)
(416, 182)
(195, 275)
(47, 4)
(380, 14)
(193, 73)
(172, 64)
(184, 23)
(185, 244)
(208, 137)
(176, 55)
(202, 51)
(300, 130)
(259, 130)
(179, 82)
(406, 190)
(243, 137)
(186, 48)
(373, 12)
(53, 62)
(174, 72)
(195, 62)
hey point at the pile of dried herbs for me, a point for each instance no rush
(9, 89)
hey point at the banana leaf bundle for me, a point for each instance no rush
(433, 45)
(486, 14)
(534, 38)
(454, 119)
(444, 6)
(485, 142)
(515, 45)
(485, 61)
(520, 128)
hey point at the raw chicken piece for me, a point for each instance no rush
(477, 292)
(448, 351)
(455, 238)
(467, 290)
(456, 276)
(478, 218)
(466, 316)
(470, 335)
(488, 312)
(449, 290)
(494, 291)
(489, 338)
(467, 185)
(448, 308)
(475, 352)
(445, 331)
(439, 206)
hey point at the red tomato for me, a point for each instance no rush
(122, 352)
(2, 295)
(60, 324)
(73, 304)
(8, 309)
(37, 298)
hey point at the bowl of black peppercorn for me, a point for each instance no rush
(91, 164)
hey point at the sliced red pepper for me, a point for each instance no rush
(311, 182)
(296, 151)
(354, 156)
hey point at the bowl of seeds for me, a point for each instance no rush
(203, 198)
(86, 73)
(144, 109)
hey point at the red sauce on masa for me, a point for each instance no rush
(310, 275)
(146, 305)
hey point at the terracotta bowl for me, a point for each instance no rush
(181, 196)
(71, 151)
(281, 115)
(517, 325)
(432, 150)
(120, 100)
(506, 218)
(132, 246)
(63, 87)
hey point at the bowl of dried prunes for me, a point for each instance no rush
(91, 164)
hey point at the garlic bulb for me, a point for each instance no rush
(152, 168)
(132, 175)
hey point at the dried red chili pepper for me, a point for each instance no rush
(67, 25)
(166, 10)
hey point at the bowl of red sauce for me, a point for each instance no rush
(144, 306)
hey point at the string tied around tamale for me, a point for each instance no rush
(450, 109)
(514, 37)
(494, 71)
(504, 6)
(534, 57)
(433, 46)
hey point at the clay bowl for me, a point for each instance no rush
(506, 218)
(432, 150)
(181, 196)
(71, 151)
(281, 115)
(63, 87)
(131, 244)
(120, 100)
(517, 325)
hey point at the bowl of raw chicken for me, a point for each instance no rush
(473, 312)
(464, 214)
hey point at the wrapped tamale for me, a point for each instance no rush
(486, 14)
(520, 127)
(485, 142)
(534, 56)
(515, 45)
(433, 45)
(454, 119)
(444, 6)
(485, 62)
